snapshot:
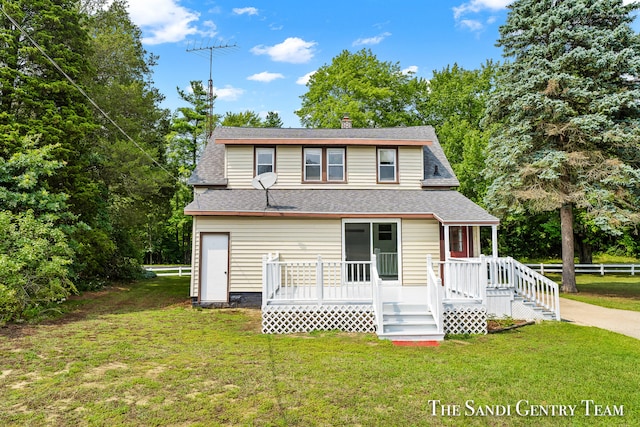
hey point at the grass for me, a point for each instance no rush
(611, 290)
(140, 355)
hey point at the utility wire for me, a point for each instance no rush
(74, 84)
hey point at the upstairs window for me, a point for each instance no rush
(335, 164)
(324, 164)
(313, 164)
(387, 165)
(265, 158)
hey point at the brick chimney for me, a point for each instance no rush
(345, 122)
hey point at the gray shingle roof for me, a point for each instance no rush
(412, 133)
(210, 168)
(448, 206)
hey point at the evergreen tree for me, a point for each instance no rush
(568, 115)
(247, 118)
(272, 120)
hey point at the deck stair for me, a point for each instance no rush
(402, 321)
(531, 310)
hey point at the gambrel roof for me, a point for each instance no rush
(437, 170)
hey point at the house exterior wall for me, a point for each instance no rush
(419, 239)
(302, 239)
(251, 238)
(361, 166)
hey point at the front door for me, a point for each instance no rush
(214, 267)
(459, 241)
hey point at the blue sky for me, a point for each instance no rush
(279, 43)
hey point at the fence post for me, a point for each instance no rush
(180, 271)
(319, 280)
(602, 269)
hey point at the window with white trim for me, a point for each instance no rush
(387, 165)
(265, 159)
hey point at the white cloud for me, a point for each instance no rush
(475, 6)
(265, 77)
(293, 50)
(471, 24)
(410, 69)
(245, 11)
(228, 93)
(305, 79)
(165, 21)
(371, 40)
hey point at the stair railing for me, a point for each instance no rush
(376, 283)
(435, 293)
(536, 287)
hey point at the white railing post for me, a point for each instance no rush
(265, 287)
(484, 279)
(319, 280)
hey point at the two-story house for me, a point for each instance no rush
(357, 229)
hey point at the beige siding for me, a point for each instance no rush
(239, 166)
(251, 238)
(289, 166)
(419, 238)
(361, 168)
(410, 167)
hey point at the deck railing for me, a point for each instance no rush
(377, 295)
(317, 281)
(465, 278)
(387, 263)
(470, 278)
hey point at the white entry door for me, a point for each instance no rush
(214, 266)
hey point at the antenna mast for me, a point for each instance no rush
(210, 48)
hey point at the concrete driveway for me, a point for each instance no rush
(622, 321)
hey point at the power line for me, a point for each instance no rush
(79, 89)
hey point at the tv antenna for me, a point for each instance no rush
(210, 48)
(264, 181)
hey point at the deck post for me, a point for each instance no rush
(447, 244)
(265, 290)
(494, 241)
(319, 279)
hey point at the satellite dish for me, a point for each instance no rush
(264, 181)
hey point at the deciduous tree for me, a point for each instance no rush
(374, 93)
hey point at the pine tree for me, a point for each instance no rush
(568, 116)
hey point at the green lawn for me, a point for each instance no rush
(140, 355)
(611, 290)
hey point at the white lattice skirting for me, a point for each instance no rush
(303, 318)
(465, 320)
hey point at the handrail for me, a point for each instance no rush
(435, 295)
(376, 283)
(536, 287)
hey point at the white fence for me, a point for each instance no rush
(172, 270)
(601, 269)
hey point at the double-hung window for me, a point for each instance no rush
(387, 165)
(324, 164)
(265, 160)
(335, 164)
(313, 164)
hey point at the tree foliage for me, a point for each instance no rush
(34, 254)
(374, 93)
(454, 106)
(567, 114)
